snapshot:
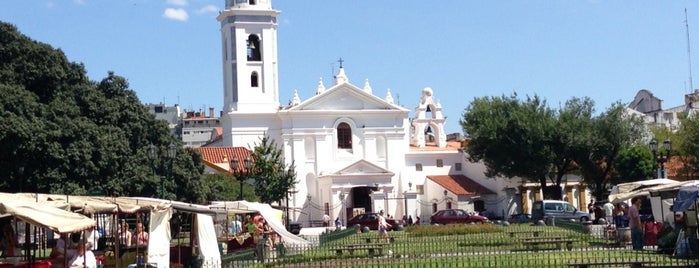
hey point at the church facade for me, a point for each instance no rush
(353, 150)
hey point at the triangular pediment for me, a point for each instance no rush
(345, 97)
(363, 167)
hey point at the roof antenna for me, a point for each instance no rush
(689, 55)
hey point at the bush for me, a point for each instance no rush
(451, 229)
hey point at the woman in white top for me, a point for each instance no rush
(84, 258)
(124, 235)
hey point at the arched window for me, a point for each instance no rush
(254, 80)
(253, 44)
(434, 207)
(344, 136)
(449, 205)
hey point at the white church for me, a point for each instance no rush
(353, 150)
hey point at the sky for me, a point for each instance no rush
(170, 50)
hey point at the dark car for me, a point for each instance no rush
(371, 220)
(456, 216)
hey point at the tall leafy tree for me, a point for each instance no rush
(511, 136)
(634, 163)
(612, 131)
(272, 179)
(686, 147)
(572, 130)
(63, 133)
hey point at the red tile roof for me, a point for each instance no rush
(214, 156)
(431, 146)
(460, 185)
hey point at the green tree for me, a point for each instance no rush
(272, 177)
(511, 137)
(634, 163)
(611, 131)
(62, 133)
(572, 130)
(685, 145)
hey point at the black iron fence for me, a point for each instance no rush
(559, 244)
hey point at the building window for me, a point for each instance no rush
(254, 80)
(434, 207)
(344, 136)
(440, 162)
(457, 166)
(327, 208)
(254, 51)
(418, 167)
(252, 2)
(448, 205)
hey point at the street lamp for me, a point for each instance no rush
(290, 173)
(171, 152)
(241, 174)
(310, 209)
(342, 207)
(153, 156)
(661, 157)
(169, 155)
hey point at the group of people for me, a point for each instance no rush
(126, 238)
(615, 215)
(256, 226)
(408, 220)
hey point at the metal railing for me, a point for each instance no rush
(567, 244)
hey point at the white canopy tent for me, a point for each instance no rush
(46, 216)
(659, 204)
(269, 213)
(206, 236)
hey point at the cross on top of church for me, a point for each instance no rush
(340, 61)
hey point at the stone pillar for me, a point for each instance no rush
(411, 200)
(378, 201)
(524, 191)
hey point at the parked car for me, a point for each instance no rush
(456, 216)
(371, 220)
(558, 209)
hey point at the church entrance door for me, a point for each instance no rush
(361, 201)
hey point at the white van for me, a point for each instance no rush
(559, 209)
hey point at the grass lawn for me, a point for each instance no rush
(465, 246)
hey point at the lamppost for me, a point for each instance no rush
(169, 155)
(171, 152)
(661, 157)
(241, 174)
(342, 207)
(290, 173)
(310, 209)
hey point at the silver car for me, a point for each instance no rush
(559, 209)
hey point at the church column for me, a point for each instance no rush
(524, 191)
(378, 201)
(411, 202)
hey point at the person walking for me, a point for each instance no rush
(635, 223)
(609, 213)
(383, 226)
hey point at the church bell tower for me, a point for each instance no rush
(249, 42)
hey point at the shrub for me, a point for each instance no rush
(451, 229)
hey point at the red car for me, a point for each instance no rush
(456, 216)
(371, 220)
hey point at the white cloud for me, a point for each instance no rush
(208, 9)
(177, 2)
(176, 14)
